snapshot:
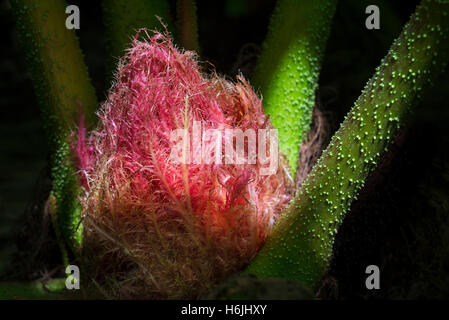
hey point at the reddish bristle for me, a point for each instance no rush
(168, 230)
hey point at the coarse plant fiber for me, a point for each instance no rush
(153, 228)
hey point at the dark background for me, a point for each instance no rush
(400, 221)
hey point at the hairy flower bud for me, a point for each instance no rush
(158, 229)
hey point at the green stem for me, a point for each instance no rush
(122, 19)
(187, 26)
(51, 289)
(301, 244)
(288, 68)
(63, 90)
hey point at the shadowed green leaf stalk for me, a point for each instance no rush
(50, 290)
(122, 19)
(187, 25)
(63, 89)
(301, 244)
(288, 68)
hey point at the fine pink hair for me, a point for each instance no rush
(153, 228)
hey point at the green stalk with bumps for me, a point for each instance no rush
(288, 68)
(301, 244)
(122, 19)
(187, 25)
(64, 93)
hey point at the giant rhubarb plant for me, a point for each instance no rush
(172, 230)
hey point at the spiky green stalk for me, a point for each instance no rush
(122, 19)
(63, 90)
(187, 25)
(301, 244)
(288, 68)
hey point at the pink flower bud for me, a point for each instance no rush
(158, 229)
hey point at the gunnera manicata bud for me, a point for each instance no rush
(156, 228)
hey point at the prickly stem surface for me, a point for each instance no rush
(301, 244)
(63, 89)
(288, 68)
